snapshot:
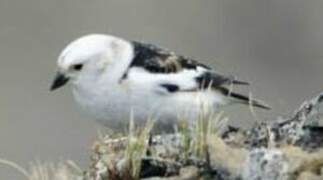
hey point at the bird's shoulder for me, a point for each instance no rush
(160, 60)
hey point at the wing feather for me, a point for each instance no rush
(158, 60)
(175, 73)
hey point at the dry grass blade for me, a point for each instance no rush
(15, 166)
(252, 110)
(50, 171)
(137, 147)
(208, 124)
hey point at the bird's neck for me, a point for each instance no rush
(116, 70)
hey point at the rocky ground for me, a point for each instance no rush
(289, 148)
(285, 149)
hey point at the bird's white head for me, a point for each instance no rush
(88, 57)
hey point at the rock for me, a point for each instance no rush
(266, 164)
(301, 129)
(309, 176)
(189, 173)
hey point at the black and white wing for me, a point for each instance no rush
(159, 61)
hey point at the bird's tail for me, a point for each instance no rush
(248, 101)
(238, 82)
(244, 99)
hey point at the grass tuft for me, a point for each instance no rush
(137, 147)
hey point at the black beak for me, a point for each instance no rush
(59, 81)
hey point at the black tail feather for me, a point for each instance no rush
(245, 99)
(238, 82)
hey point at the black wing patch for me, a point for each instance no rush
(211, 79)
(158, 60)
(170, 87)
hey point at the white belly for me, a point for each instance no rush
(114, 107)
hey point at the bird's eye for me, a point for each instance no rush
(78, 67)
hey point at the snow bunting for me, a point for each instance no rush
(113, 79)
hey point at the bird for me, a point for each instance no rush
(114, 79)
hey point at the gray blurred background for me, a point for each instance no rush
(277, 45)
